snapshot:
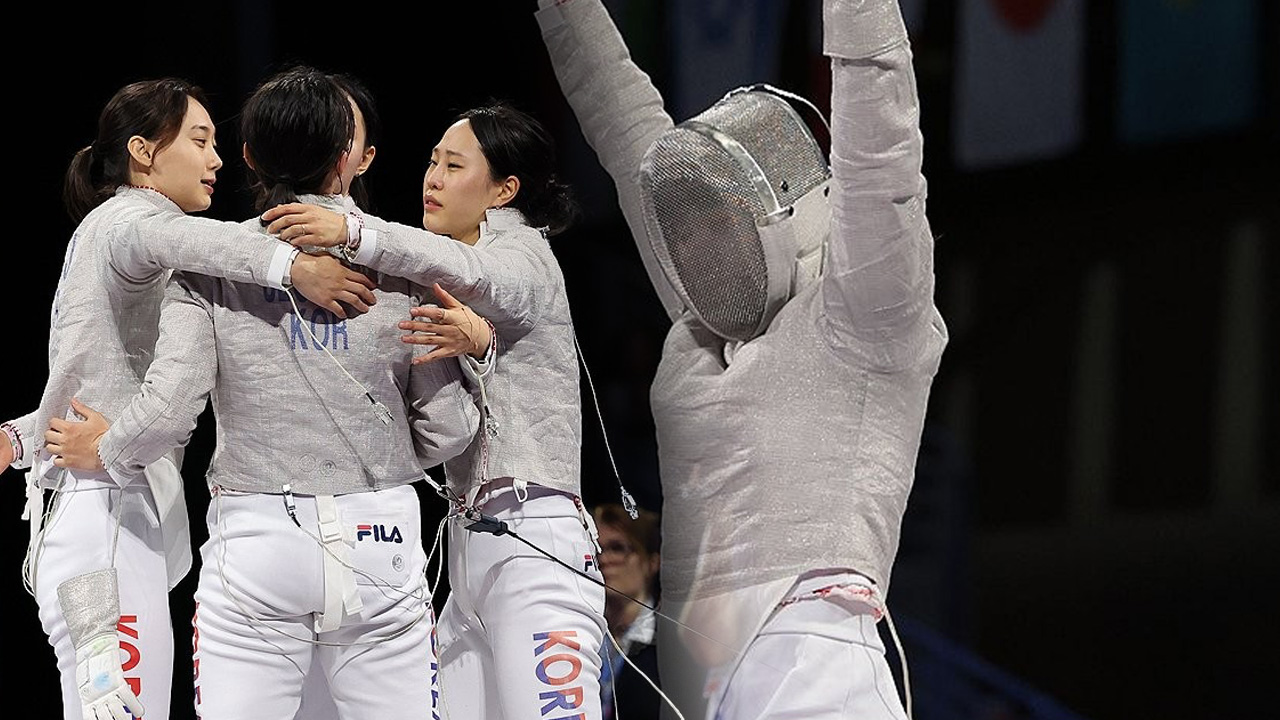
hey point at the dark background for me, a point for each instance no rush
(1097, 511)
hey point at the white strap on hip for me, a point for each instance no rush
(340, 596)
(33, 513)
(34, 506)
(588, 524)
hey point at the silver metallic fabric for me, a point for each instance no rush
(285, 411)
(103, 325)
(511, 277)
(708, 185)
(794, 451)
(90, 604)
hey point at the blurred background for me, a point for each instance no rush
(1095, 526)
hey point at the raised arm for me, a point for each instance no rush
(506, 284)
(617, 106)
(878, 283)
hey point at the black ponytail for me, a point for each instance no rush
(153, 109)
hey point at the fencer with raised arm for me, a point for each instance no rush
(791, 394)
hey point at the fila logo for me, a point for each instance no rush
(588, 562)
(380, 533)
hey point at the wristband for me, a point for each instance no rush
(493, 342)
(15, 439)
(286, 280)
(355, 226)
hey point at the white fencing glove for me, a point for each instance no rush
(104, 694)
(91, 606)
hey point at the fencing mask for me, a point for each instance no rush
(735, 208)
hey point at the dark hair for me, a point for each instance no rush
(153, 109)
(296, 126)
(644, 533)
(363, 99)
(515, 143)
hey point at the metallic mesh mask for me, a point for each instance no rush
(735, 209)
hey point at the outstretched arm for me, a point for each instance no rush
(140, 246)
(617, 106)
(501, 283)
(878, 281)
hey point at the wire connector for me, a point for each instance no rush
(481, 523)
(290, 506)
(379, 409)
(629, 503)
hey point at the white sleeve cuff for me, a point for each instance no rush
(368, 246)
(278, 271)
(14, 436)
(477, 370)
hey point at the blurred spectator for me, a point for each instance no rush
(629, 560)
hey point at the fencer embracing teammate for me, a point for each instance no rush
(102, 559)
(791, 394)
(313, 557)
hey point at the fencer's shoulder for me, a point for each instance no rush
(124, 218)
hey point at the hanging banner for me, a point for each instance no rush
(1019, 81)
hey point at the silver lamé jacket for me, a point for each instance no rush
(799, 453)
(511, 277)
(286, 409)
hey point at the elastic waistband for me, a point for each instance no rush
(507, 496)
(844, 587)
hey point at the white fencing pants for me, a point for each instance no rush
(520, 636)
(78, 538)
(263, 585)
(818, 659)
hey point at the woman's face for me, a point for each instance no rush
(185, 169)
(625, 567)
(458, 187)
